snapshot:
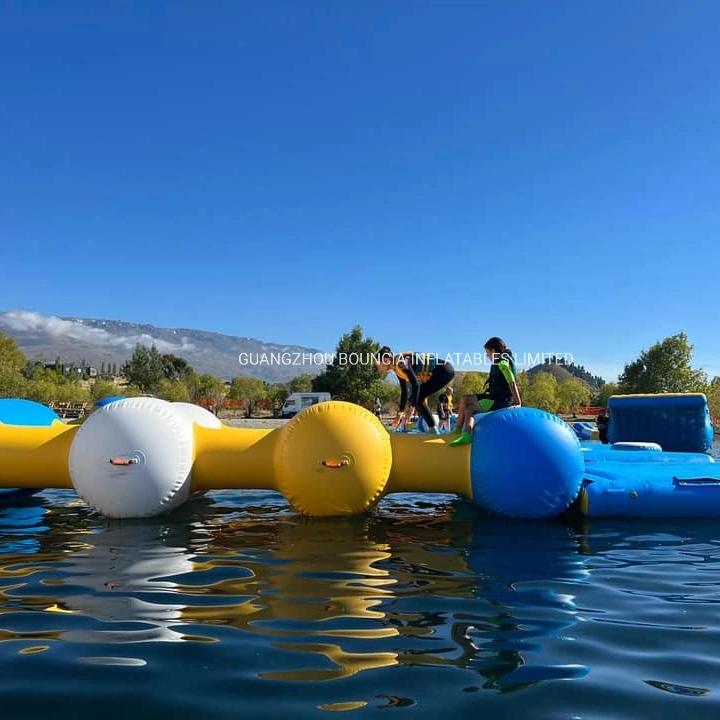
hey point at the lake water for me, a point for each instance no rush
(236, 607)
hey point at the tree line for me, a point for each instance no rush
(664, 367)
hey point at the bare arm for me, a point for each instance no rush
(509, 376)
(515, 394)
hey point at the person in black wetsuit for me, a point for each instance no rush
(501, 390)
(443, 411)
(602, 421)
(420, 375)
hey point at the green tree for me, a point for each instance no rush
(12, 363)
(352, 375)
(470, 383)
(389, 396)
(34, 369)
(173, 390)
(45, 390)
(664, 368)
(249, 390)
(174, 367)
(542, 392)
(300, 383)
(47, 386)
(522, 381)
(207, 388)
(101, 388)
(73, 374)
(713, 397)
(276, 394)
(145, 369)
(606, 391)
(573, 393)
(131, 390)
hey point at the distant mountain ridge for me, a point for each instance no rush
(95, 342)
(563, 371)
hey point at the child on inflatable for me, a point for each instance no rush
(443, 411)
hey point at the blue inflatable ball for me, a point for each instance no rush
(525, 463)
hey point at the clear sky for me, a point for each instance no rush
(436, 172)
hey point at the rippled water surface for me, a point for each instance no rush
(235, 606)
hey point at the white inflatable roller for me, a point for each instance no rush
(133, 457)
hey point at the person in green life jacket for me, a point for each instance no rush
(501, 390)
(420, 375)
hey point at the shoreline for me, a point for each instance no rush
(265, 423)
(256, 423)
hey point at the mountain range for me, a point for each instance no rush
(98, 343)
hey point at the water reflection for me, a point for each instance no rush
(89, 579)
(417, 583)
(19, 526)
(506, 596)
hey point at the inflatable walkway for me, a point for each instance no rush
(139, 457)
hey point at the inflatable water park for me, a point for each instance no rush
(141, 457)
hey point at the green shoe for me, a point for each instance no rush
(458, 429)
(464, 439)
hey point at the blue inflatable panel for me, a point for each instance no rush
(596, 454)
(583, 430)
(107, 400)
(636, 446)
(677, 422)
(647, 483)
(15, 411)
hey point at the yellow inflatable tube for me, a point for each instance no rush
(142, 456)
(35, 457)
(238, 457)
(422, 463)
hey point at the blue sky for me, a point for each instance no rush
(436, 172)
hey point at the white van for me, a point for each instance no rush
(299, 401)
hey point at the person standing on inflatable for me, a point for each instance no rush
(443, 411)
(603, 422)
(420, 375)
(501, 390)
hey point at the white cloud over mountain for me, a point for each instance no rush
(23, 321)
(99, 342)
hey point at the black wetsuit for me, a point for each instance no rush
(443, 407)
(603, 421)
(424, 375)
(497, 387)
